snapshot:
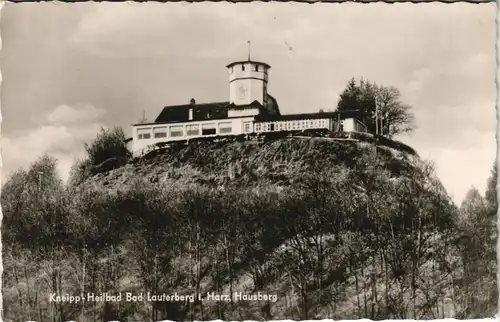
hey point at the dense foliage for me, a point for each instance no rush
(336, 229)
(394, 116)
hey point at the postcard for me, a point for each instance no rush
(248, 161)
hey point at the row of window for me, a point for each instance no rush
(291, 125)
(256, 68)
(176, 131)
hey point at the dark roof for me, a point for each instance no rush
(201, 112)
(305, 116)
(180, 113)
(248, 61)
(219, 110)
(254, 104)
(168, 122)
(273, 106)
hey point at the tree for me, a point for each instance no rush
(491, 191)
(36, 221)
(472, 206)
(349, 98)
(109, 144)
(394, 117)
(478, 254)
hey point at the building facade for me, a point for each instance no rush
(250, 109)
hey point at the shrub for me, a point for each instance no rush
(79, 172)
(108, 144)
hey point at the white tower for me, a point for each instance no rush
(248, 82)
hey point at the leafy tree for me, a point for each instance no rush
(473, 206)
(109, 144)
(479, 291)
(394, 117)
(491, 191)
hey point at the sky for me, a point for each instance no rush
(68, 69)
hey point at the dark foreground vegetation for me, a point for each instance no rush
(336, 229)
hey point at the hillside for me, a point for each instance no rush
(333, 228)
(281, 162)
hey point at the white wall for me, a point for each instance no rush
(251, 80)
(349, 125)
(353, 125)
(323, 123)
(140, 145)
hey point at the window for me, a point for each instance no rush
(176, 131)
(257, 127)
(160, 132)
(243, 67)
(144, 133)
(225, 127)
(256, 68)
(193, 130)
(208, 129)
(247, 127)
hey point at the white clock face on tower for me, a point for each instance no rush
(243, 91)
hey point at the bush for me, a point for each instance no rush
(80, 171)
(107, 145)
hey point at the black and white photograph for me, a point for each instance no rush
(248, 161)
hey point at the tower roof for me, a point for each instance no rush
(248, 61)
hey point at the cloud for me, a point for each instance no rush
(419, 78)
(62, 135)
(180, 29)
(64, 114)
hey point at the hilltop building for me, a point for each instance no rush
(250, 109)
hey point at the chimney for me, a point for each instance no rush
(191, 109)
